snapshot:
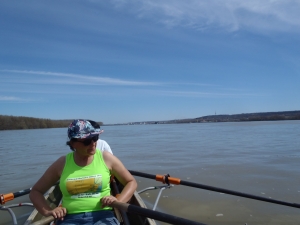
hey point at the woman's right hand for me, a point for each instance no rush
(58, 213)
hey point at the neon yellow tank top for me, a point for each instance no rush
(83, 187)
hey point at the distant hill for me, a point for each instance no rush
(264, 116)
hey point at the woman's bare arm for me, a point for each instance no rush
(49, 178)
(122, 174)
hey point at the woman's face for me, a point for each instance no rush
(85, 146)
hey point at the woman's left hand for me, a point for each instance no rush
(107, 200)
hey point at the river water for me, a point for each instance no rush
(258, 158)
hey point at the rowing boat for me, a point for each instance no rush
(136, 200)
(135, 212)
(53, 197)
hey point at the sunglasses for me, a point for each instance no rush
(88, 141)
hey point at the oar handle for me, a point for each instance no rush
(10, 196)
(44, 221)
(6, 197)
(153, 214)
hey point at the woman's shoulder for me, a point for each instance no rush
(59, 164)
(108, 158)
(107, 155)
(61, 159)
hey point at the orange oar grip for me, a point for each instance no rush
(172, 180)
(6, 197)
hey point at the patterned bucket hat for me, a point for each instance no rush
(83, 129)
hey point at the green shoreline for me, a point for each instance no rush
(24, 123)
(21, 122)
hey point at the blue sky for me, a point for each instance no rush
(125, 60)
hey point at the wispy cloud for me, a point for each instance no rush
(194, 84)
(10, 98)
(231, 15)
(201, 90)
(76, 79)
(140, 92)
(82, 79)
(199, 94)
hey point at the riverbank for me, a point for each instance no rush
(244, 117)
(22, 123)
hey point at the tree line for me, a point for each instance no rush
(21, 123)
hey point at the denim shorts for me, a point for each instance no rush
(103, 217)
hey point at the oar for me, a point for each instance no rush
(140, 211)
(117, 192)
(153, 214)
(46, 220)
(177, 181)
(10, 196)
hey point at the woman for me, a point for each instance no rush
(84, 176)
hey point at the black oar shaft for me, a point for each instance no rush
(221, 190)
(140, 174)
(154, 214)
(23, 192)
(216, 189)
